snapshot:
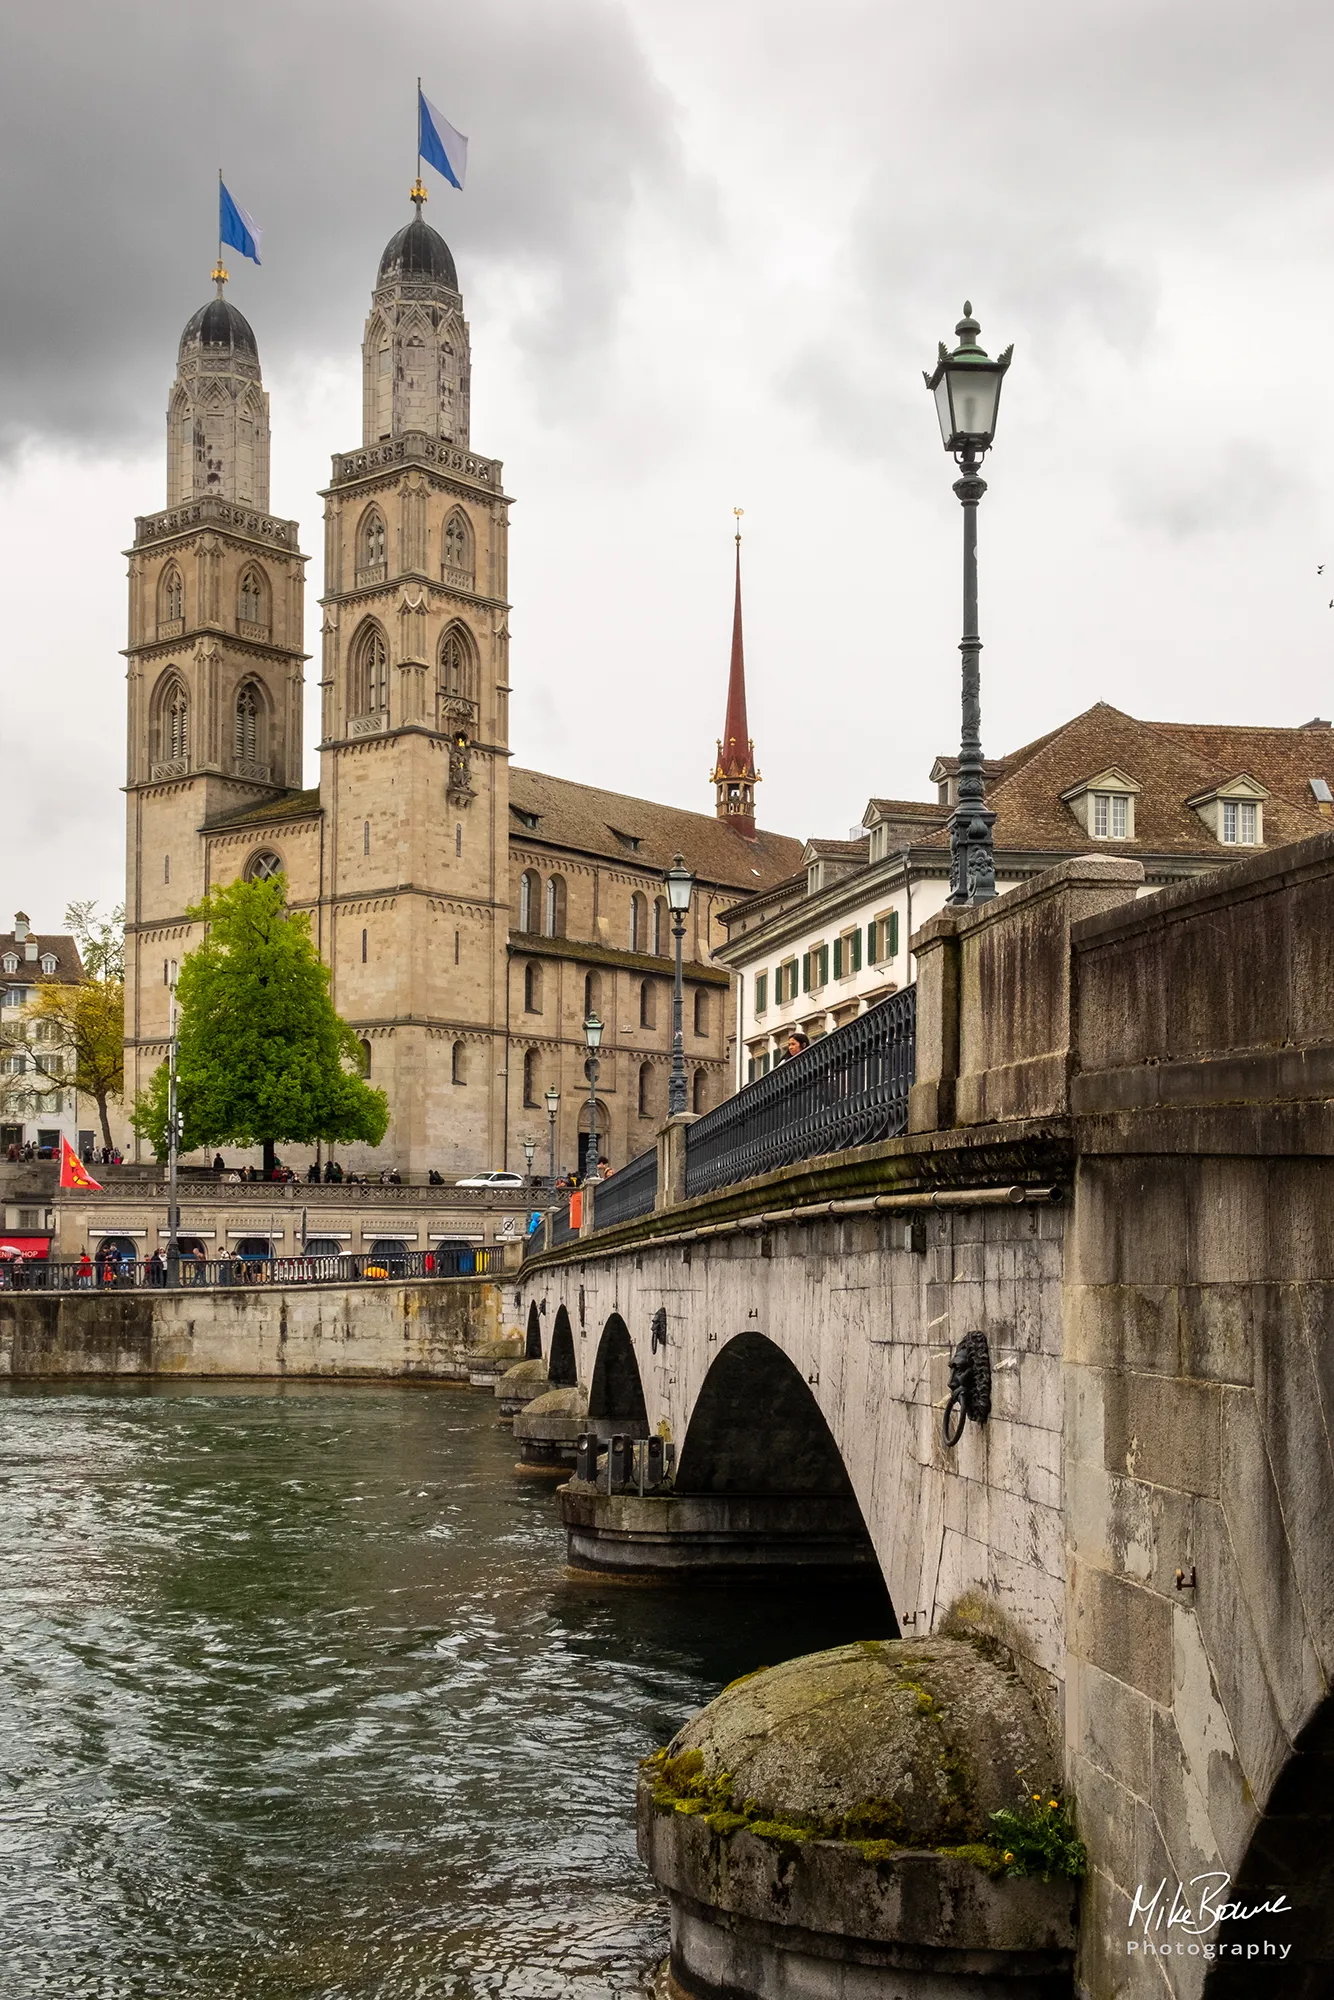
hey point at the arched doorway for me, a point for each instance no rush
(562, 1369)
(532, 1347)
(1290, 1857)
(616, 1393)
(603, 1135)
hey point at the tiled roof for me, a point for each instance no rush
(292, 805)
(907, 808)
(1284, 760)
(590, 821)
(69, 966)
(1162, 760)
(838, 850)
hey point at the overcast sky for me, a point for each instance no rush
(706, 248)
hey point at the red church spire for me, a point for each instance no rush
(734, 775)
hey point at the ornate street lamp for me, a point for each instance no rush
(967, 386)
(529, 1148)
(553, 1106)
(680, 883)
(593, 1038)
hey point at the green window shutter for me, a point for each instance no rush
(838, 958)
(871, 930)
(824, 965)
(856, 942)
(893, 951)
(805, 972)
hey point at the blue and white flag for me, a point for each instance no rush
(438, 143)
(235, 227)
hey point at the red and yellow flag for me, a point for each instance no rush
(73, 1173)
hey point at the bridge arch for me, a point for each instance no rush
(1290, 1856)
(616, 1392)
(562, 1368)
(532, 1346)
(756, 1428)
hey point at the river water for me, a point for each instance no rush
(298, 1698)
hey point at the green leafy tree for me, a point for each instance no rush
(262, 1056)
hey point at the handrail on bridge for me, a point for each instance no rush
(848, 1089)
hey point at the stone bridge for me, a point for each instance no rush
(1117, 1170)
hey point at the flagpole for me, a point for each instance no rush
(219, 275)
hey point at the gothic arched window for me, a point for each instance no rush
(170, 597)
(646, 1090)
(532, 989)
(530, 1076)
(248, 733)
(592, 994)
(648, 1004)
(702, 1011)
(661, 927)
(530, 899)
(458, 1066)
(457, 548)
(252, 603)
(172, 735)
(700, 1091)
(371, 541)
(458, 667)
(262, 867)
(553, 918)
(370, 672)
(638, 922)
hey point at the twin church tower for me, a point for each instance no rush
(469, 913)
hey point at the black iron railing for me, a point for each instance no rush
(847, 1089)
(448, 1260)
(631, 1191)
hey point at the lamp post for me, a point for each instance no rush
(529, 1148)
(593, 1038)
(680, 882)
(173, 1148)
(967, 386)
(553, 1106)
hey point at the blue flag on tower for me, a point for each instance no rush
(235, 227)
(438, 143)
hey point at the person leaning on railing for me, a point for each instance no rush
(797, 1044)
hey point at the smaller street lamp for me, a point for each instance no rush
(593, 1039)
(553, 1107)
(529, 1148)
(680, 883)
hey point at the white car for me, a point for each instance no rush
(492, 1181)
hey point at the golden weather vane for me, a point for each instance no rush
(738, 511)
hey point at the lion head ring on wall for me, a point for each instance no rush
(970, 1386)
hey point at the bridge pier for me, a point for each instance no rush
(716, 1536)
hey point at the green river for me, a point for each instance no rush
(298, 1698)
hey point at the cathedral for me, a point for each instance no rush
(471, 914)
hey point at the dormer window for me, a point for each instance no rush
(1241, 822)
(1104, 805)
(48, 963)
(1234, 812)
(528, 819)
(11, 962)
(1111, 816)
(629, 841)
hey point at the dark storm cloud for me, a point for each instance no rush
(115, 118)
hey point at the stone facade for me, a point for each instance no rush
(435, 877)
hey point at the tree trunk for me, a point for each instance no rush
(106, 1122)
(270, 1158)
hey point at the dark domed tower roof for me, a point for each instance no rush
(219, 324)
(418, 252)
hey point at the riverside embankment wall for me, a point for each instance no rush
(442, 1328)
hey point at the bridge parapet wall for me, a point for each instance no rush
(994, 1014)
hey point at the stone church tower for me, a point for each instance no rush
(215, 654)
(414, 773)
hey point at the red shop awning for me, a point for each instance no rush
(31, 1246)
